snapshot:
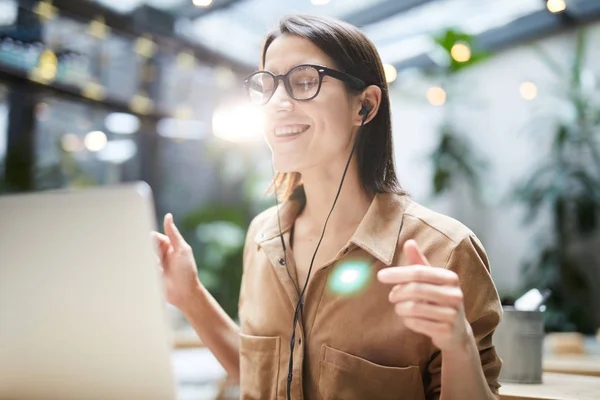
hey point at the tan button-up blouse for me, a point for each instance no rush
(354, 346)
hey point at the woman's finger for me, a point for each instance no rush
(163, 244)
(160, 238)
(418, 273)
(428, 328)
(414, 255)
(432, 312)
(177, 240)
(436, 294)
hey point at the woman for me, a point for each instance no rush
(393, 289)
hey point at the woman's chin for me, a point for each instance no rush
(285, 164)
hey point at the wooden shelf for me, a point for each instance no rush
(75, 92)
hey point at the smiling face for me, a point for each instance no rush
(307, 134)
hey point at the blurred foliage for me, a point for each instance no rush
(217, 234)
(567, 182)
(454, 157)
(216, 230)
(451, 37)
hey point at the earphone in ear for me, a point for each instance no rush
(365, 110)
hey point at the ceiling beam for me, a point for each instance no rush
(381, 11)
(189, 10)
(525, 29)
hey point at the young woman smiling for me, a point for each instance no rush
(417, 319)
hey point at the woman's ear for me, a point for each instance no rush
(370, 99)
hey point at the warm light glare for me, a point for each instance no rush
(436, 96)
(95, 140)
(556, 6)
(390, 72)
(319, 2)
(238, 124)
(529, 90)
(461, 52)
(202, 3)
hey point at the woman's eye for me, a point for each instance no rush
(305, 83)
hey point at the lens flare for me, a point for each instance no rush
(350, 277)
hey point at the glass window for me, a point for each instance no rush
(81, 145)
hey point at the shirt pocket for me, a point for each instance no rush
(259, 367)
(348, 377)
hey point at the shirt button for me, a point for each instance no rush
(281, 261)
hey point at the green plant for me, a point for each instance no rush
(567, 184)
(216, 230)
(454, 157)
(217, 234)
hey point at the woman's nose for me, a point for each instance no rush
(281, 99)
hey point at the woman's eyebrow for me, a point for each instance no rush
(282, 71)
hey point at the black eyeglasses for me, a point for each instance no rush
(302, 83)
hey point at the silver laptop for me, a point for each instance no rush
(82, 313)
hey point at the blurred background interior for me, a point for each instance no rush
(496, 121)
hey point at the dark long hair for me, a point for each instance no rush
(353, 53)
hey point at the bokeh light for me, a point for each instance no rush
(529, 90)
(122, 123)
(71, 143)
(436, 96)
(95, 140)
(202, 3)
(461, 52)
(118, 151)
(390, 73)
(556, 6)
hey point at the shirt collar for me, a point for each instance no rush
(288, 211)
(379, 230)
(377, 233)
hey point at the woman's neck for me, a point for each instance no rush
(321, 186)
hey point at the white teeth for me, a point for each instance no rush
(290, 130)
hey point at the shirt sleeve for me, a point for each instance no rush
(249, 245)
(483, 311)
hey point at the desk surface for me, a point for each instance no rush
(573, 364)
(554, 387)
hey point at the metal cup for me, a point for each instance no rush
(519, 342)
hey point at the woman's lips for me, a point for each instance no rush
(282, 131)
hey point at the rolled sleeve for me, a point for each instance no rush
(483, 311)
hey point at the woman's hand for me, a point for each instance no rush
(428, 299)
(178, 265)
